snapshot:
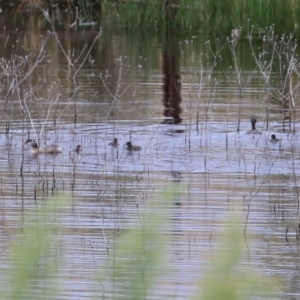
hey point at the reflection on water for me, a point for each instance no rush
(171, 82)
(218, 168)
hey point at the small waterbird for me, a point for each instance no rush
(75, 154)
(114, 143)
(253, 130)
(53, 149)
(131, 147)
(273, 139)
(78, 149)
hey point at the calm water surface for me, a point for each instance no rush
(130, 87)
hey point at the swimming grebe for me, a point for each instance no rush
(253, 130)
(53, 149)
(75, 155)
(114, 143)
(273, 139)
(131, 147)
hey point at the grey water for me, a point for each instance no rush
(184, 114)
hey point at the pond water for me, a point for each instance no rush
(178, 98)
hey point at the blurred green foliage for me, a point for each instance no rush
(137, 261)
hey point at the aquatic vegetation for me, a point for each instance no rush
(35, 254)
(138, 262)
(207, 16)
(227, 278)
(73, 100)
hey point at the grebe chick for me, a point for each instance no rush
(78, 149)
(273, 139)
(131, 147)
(75, 155)
(114, 143)
(53, 149)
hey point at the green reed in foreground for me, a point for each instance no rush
(33, 254)
(227, 277)
(139, 255)
(138, 261)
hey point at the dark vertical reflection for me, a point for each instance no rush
(171, 83)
